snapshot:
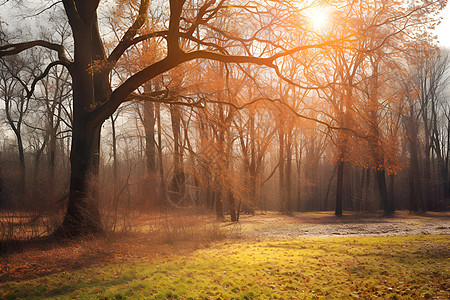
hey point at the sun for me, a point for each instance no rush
(318, 18)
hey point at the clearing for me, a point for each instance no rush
(272, 256)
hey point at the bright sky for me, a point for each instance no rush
(443, 30)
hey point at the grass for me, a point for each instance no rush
(312, 268)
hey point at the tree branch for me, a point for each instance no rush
(43, 75)
(127, 40)
(12, 49)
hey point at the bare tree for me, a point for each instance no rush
(15, 77)
(256, 34)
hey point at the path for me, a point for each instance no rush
(327, 224)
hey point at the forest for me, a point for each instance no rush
(308, 107)
(188, 118)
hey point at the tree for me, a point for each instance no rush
(257, 34)
(17, 73)
(355, 92)
(95, 99)
(425, 125)
(432, 79)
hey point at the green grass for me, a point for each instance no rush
(369, 267)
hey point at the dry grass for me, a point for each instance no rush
(143, 238)
(407, 267)
(148, 236)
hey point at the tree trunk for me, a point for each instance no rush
(16, 128)
(298, 152)
(391, 191)
(348, 187)
(447, 161)
(416, 195)
(149, 121)
(2, 196)
(22, 168)
(52, 162)
(339, 187)
(82, 216)
(114, 148)
(233, 209)
(282, 188)
(376, 144)
(150, 144)
(160, 158)
(385, 199)
(288, 200)
(428, 190)
(326, 202)
(412, 191)
(252, 166)
(366, 198)
(218, 204)
(178, 169)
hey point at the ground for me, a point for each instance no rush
(423, 239)
(327, 224)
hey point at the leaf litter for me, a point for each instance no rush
(267, 256)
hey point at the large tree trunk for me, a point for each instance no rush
(82, 215)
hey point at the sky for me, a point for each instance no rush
(443, 29)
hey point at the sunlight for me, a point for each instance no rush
(318, 18)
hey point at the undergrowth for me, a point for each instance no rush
(405, 267)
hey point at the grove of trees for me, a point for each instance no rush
(228, 106)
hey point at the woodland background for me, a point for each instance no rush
(360, 122)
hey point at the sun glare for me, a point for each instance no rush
(318, 18)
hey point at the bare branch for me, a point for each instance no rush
(45, 9)
(12, 49)
(43, 75)
(127, 39)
